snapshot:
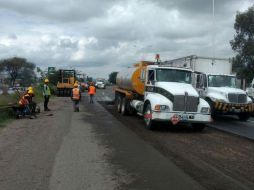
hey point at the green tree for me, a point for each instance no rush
(18, 68)
(112, 77)
(243, 44)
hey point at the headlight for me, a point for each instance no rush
(205, 110)
(161, 108)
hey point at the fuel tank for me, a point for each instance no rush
(132, 79)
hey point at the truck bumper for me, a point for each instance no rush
(183, 117)
(233, 108)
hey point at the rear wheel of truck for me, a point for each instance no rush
(124, 108)
(149, 123)
(118, 104)
(244, 116)
(198, 126)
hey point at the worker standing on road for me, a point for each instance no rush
(76, 97)
(91, 92)
(46, 94)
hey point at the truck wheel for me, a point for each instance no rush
(124, 106)
(244, 116)
(211, 104)
(198, 126)
(118, 104)
(149, 123)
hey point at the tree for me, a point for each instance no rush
(112, 77)
(243, 44)
(18, 67)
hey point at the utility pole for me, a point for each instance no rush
(213, 35)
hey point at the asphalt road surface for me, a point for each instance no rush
(89, 150)
(216, 159)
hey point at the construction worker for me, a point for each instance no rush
(23, 101)
(91, 92)
(76, 97)
(32, 104)
(46, 94)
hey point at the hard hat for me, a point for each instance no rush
(30, 92)
(76, 85)
(30, 88)
(46, 80)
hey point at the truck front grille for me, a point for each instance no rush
(237, 98)
(191, 103)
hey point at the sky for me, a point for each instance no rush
(98, 37)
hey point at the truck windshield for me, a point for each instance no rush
(221, 81)
(173, 75)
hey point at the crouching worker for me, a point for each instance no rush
(23, 104)
(76, 97)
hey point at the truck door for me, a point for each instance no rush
(201, 84)
(150, 81)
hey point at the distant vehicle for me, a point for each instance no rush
(100, 84)
(65, 82)
(215, 82)
(250, 90)
(160, 93)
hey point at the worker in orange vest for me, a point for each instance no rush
(91, 92)
(76, 97)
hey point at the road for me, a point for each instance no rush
(99, 149)
(215, 158)
(89, 150)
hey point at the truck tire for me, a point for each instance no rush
(118, 104)
(124, 108)
(198, 126)
(149, 123)
(244, 116)
(211, 104)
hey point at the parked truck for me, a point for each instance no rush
(215, 82)
(160, 93)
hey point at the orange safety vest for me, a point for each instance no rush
(92, 90)
(23, 101)
(75, 94)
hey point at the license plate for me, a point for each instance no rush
(184, 117)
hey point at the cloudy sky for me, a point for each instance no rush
(101, 36)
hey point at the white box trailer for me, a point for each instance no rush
(215, 82)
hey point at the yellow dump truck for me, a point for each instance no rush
(160, 93)
(66, 82)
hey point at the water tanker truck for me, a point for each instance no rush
(160, 93)
(215, 82)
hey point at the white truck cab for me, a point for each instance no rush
(169, 94)
(215, 82)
